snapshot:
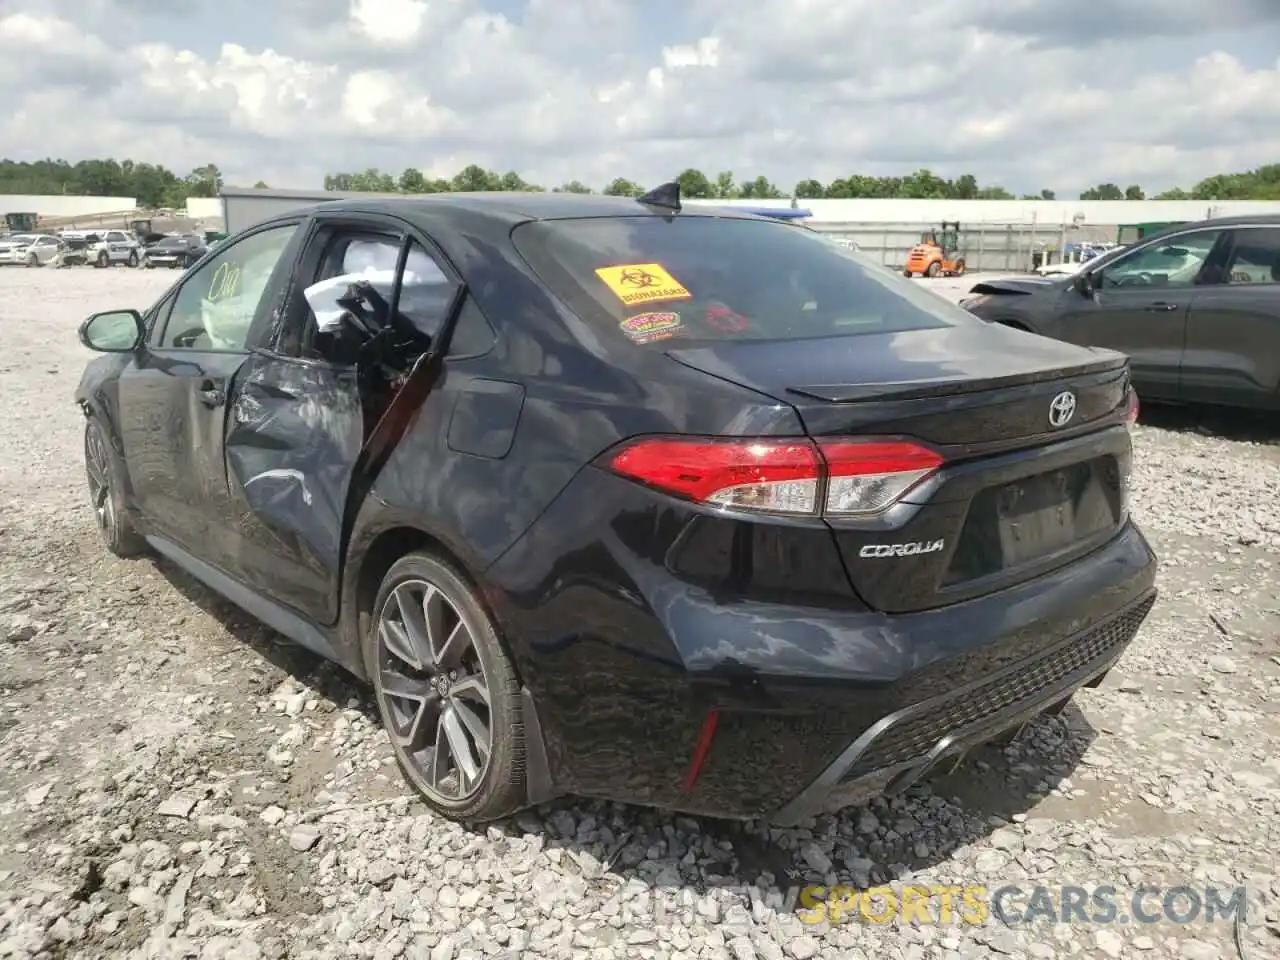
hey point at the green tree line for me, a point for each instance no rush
(1260, 184)
(154, 185)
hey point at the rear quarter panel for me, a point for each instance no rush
(477, 486)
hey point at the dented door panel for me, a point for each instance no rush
(294, 435)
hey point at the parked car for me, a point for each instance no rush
(28, 249)
(1196, 307)
(1074, 257)
(619, 498)
(73, 251)
(112, 247)
(177, 252)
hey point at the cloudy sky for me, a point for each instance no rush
(1025, 93)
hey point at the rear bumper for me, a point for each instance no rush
(813, 697)
(903, 747)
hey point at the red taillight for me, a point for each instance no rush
(795, 477)
(871, 475)
(1131, 415)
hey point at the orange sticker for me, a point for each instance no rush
(648, 327)
(635, 283)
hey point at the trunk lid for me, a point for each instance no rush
(1018, 495)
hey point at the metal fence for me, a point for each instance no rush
(994, 247)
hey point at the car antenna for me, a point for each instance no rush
(666, 195)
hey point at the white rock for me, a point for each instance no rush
(178, 805)
(272, 815)
(304, 836)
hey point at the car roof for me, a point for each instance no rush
(1245, 220)
(510, 208)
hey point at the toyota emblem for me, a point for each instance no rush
(1062, 408)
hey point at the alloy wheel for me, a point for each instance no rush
(434, 692)
(97, 468)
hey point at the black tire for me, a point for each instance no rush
(935, 268)
(32, 261)
(104, 474)
(104, 260)
(500, 789)
(133, 258)
(907, 273)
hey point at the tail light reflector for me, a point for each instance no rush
(1131, 415)
(791, 477)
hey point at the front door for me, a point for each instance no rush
(305, 412)
(1233, 331)
(173, 398)
(1140, 307)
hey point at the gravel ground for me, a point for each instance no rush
(176, 781)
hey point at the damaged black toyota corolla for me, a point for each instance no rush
(611, 498)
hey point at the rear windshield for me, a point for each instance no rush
(696, 278)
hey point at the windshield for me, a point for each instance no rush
(19, 238)
(649, 279)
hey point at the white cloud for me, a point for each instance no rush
(389, 21)
(1025, 94)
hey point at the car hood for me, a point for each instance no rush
(1025, 285)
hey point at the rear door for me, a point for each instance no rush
(1141, 305)
(1233, 330)
(173, 397)
(310, 414)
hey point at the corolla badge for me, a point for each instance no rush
(901, 549)
(1062, 408)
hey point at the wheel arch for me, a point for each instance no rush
(94, 408)
(368, 561)
(363, 572)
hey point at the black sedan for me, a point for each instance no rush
(1196, 307)
(606, 497)
(176, 253)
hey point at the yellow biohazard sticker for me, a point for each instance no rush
(635, 283)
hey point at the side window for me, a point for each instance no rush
(426, 292)
(1255, 257)
(348, 304)
(156, 319)
(1175, 262)
(115, 236)
(472, 335)
(216, 305)
(350, 258)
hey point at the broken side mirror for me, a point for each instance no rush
(114, 331)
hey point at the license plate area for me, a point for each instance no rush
(1035, 517)
(1038, 515)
